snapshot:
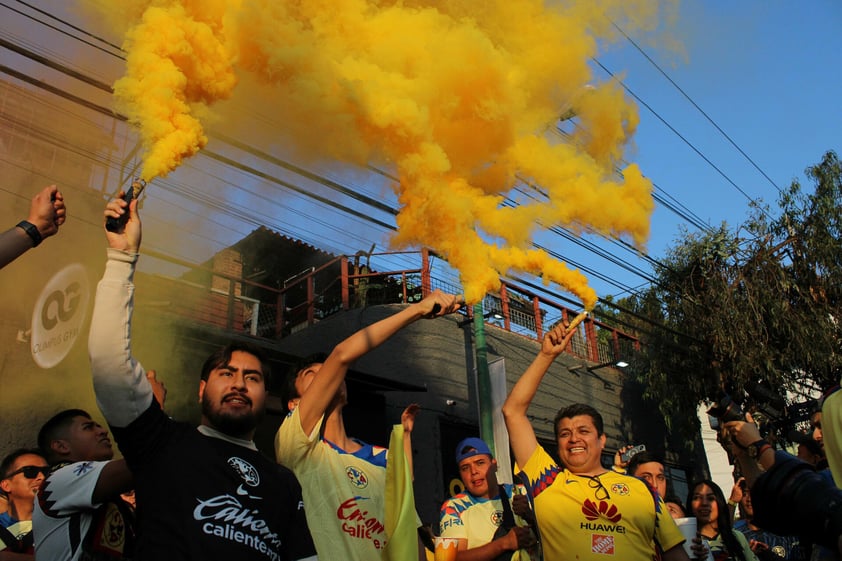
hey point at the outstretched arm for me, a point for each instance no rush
(521, 433)
(319, 395)
(46, 213)
(122, 389)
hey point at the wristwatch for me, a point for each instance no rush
(757, 448)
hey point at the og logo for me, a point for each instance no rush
(58, 315)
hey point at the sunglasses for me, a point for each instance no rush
(30, 472)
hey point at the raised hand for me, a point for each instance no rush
(47, 211)
(127, 238)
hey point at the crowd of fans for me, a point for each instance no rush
(206, 492)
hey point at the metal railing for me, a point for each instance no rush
(263, 311)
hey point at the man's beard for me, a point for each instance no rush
(238, 426)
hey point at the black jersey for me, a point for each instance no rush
(204, 498)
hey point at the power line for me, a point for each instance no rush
(63, 32)
(618, 307)
(676, 207)
(679, 135)
(702, 111)
(55, 66)
(593, 248)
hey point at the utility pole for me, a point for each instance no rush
(486, 423)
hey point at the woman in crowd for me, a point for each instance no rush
(707, 504)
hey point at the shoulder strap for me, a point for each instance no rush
(508, 515)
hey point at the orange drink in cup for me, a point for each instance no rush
(445, 549)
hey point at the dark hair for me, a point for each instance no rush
(642, 458)
(575, 410)
(222, 357)
(54, 429)
(9, 460)
(723, 517)
(675, 500)
(289, 390)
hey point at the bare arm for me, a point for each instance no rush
(115, 478)
(13, 243)
(521, 433)
(46, 212)
(317, 398)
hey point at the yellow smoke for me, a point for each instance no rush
(176, 64)
(457, 97)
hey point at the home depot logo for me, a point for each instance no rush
(602, 544)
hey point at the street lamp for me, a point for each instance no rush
(614, 363)
(591, 369)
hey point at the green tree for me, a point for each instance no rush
(757, 306)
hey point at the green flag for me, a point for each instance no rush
(401, 519)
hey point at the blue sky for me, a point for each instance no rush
(767, 72)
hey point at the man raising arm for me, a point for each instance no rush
(343, 479)
(203, 493)
(584, 510)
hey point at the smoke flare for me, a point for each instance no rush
(459, 98)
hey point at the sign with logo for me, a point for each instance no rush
(58, 315)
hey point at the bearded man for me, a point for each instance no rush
(202, 493)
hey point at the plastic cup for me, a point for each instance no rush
(445, 549)
(688, 530)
